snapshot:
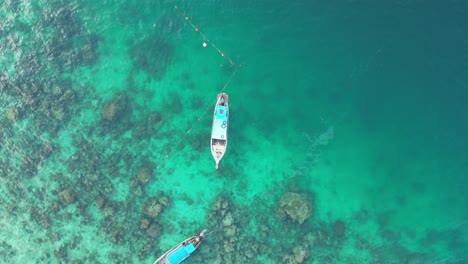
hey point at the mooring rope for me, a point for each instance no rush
(236, 69)
(204, 37)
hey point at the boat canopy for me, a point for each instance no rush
(219, 130)
(179, 254)
(221, 112)
(190, 248)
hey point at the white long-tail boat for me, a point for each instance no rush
(182, 250)
(219, 130)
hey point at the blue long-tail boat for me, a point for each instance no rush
(219, 130)
(182, 250)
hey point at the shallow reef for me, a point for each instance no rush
(294, 206)
(114, 109)
(79, 168)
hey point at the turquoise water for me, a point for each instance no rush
(347, 136)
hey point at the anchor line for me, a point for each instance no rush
(197, 121)
(185, 135)
(216, 229)
(236, 69)
(236, 66)
(204, 37)
(230, 78)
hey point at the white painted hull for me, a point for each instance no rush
(219, 130)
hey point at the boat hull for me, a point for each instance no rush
(219, 130)
(181, 251)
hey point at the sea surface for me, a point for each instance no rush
(348, 130)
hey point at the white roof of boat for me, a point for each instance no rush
(220, 123)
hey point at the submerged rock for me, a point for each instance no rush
(67, 196)
(300, 254)
(152, 208)
(339, 228)
(89, 54)
(11, 114)
(164, 200)
(113, 109)
(294, 206)
(153, 231)
(144, 174)
(59, 112)
(228, 220)
(230, 231)
(144, 223)
(100, 202)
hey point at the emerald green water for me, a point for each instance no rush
(359, 107)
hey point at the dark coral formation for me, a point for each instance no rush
(227, 246)
(298, 255)
(144, 224)
(40, 88)
(144, 174)
(154, 230)
(142, 177)
(67, 196)
(88, 53)
(49, 104)
(62, 48)
(114, 109)
(246, 235)
(148, 128)
(295, 207)
(64, 19)
(339, 228)
(151, 54)
(153, 207)
(44, 96)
